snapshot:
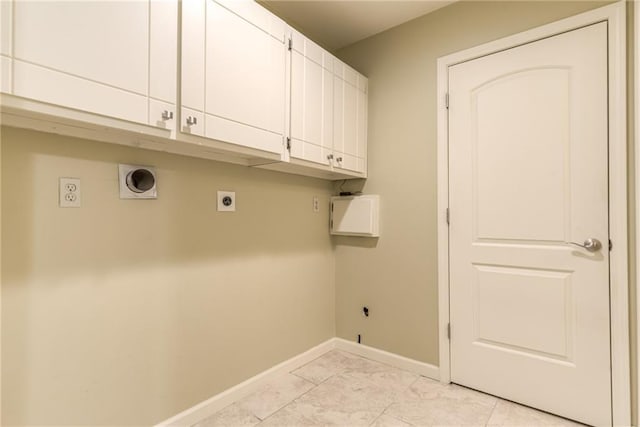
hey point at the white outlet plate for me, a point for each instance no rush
(69, 193)
(316, 204)
(223, 204)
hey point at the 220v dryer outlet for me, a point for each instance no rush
(226, 201)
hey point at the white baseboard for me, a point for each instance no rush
(221, 400)
(411, 365)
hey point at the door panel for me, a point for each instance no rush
(105, 42)
(308, 97)
(193, 53)
(528, 173)
(537, 304)
(245, 79)
(537, 149)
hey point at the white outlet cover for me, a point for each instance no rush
(69, 193)
(222, 198)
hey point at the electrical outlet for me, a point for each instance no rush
(226, 201)
(70, 193)
(316, 204)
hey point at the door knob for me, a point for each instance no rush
(167, 115)
(591, 244)
(192, 121)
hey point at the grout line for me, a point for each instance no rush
(495, 405)
(286, 404)
(290, 402)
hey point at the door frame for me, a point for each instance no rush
(615, 16)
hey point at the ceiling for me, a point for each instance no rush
(338, 23)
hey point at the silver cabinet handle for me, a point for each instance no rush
(339, 159)
(329, 156)
(192, 121)
(591, 244)
(167, 115)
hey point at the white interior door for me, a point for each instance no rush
(528, 173)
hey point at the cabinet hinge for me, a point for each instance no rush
(290, 44)
(449, 330)
(331, 224)
(448, 217)
(446, 100)
(331, 207)
(289, 143)
(610, 245)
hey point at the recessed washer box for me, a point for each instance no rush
(356, 215)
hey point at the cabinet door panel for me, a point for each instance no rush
(43, 84)
(105, 42)
(245, 73)
(327, 109)
(306, 100)
(313, 102)
(346, 161)
(297, 98)
(309, 152)
(362, 124)
(193, 38)
(350, 75)
(5, 74)
(230, 131)
(256, 15)
(338, 114)
(163, 50)
(350, 132)
(6, 12)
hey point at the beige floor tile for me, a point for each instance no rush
(385, 420)
(338, 362)
(393, 379)
(332, 363)
(232, 415)
(306, 414)
(431, 403)
(511, 414)
(275, 395)
(341, 400)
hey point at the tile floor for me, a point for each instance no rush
(342, 389)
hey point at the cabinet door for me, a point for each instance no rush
(92, 56)
(5, 45)
(163, 56)
(311, 101)
(362, 122)
(244, 76)
(193, 39)
(327, 111)
(349, 137)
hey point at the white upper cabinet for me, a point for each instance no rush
(233, 73)
(311, 101)
(252, 90)
(328, 108)
(117, 59)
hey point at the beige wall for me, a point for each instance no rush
(397, 278)
(126, 312)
